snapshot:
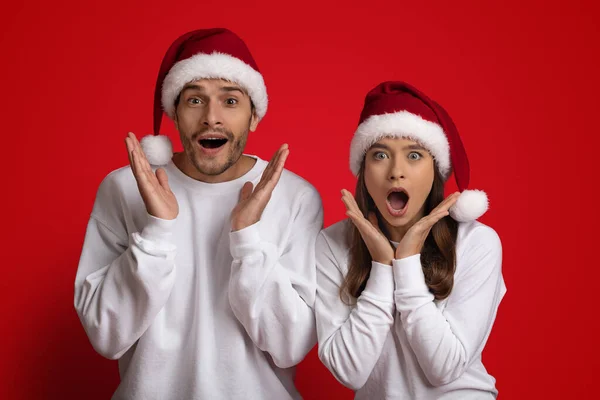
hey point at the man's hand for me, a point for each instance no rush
(154, 187)
(253, 202)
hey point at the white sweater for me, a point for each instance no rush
(191, 310)
(397, 342)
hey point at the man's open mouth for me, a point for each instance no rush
(212, 142)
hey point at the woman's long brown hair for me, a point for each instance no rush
(438, 256)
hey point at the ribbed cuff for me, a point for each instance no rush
(381, 282)
(158, 229)
(408, 273)
(241, 242)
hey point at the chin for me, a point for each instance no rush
(212, 167)
(396, 221)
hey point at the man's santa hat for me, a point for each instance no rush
(396, 109)
(202, 54)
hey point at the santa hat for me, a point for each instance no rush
(396, 109)
(202, 54)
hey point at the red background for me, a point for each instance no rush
(520, 81)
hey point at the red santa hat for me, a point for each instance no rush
(396, 109)
(202, 54)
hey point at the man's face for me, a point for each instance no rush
(213, 118)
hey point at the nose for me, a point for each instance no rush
(212, 117)
(397, 170)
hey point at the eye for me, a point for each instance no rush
(194, 101)
(379, 155)
(231, 101)
(413, 155)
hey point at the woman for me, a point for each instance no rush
(409, 285)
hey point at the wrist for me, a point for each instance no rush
(383, 260)
(405, 253)
(239, 225)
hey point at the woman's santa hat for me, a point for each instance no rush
(202, 54)
(396, 109)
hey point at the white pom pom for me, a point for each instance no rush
(471, 205)
(158, 149)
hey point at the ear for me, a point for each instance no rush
(253, 122)
(176, 119)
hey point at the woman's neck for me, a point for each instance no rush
(396, 233)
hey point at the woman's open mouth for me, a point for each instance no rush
(397, 202)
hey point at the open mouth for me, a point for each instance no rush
(212, 143)
(397, 201)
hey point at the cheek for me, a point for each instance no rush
(186, 119)
(238, 120)
(373, 182)
(425, 179)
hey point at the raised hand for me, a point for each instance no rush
(154, 187)
(414, 239)
(379, 246)
(253, 201)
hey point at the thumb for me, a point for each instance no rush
(163, 179)
(246, 191)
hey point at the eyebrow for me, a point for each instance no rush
(189, 86)
(382, 146)
(415, 147)
(232, 89)
(379, 146)
(193, 86)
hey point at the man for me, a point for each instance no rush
(199, 276)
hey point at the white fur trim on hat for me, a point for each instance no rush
(400, 124)
(158, 149)
(214, 66)
(471, 204)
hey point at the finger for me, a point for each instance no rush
(447, 202)
(360, 222)
(350, 202)
(274, 159)
(272, 166)
(268, 171)
(443, 203)
(278, 169)
(431, 220)
(129, 150)
(282, 158)
(142, 156)
(246, 191)
(268, 184)
(347, 200)
(275, 163)
(142, 171)
(140, 164)
(163, 179)
(135, 167)
(133, 141)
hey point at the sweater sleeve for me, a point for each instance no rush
(272, 289)
(351, 338)
(446, 342)
(121, 284)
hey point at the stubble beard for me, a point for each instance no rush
(211, 167)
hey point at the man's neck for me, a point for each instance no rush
(237, 170)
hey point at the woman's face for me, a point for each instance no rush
(399, 175)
